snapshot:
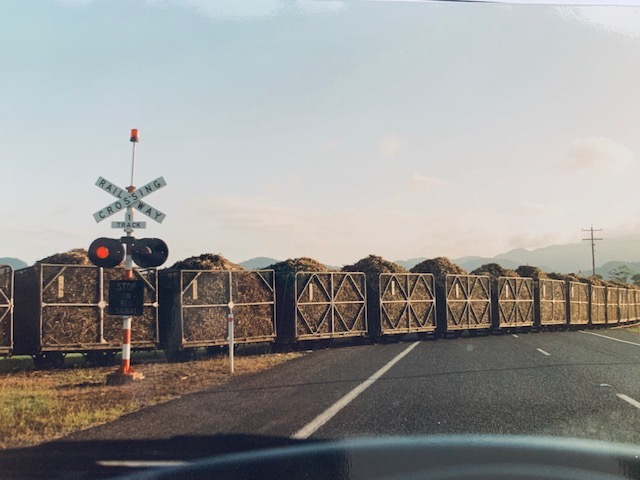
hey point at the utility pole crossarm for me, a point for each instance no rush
(593, 246)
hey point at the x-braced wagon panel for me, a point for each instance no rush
(407, 303)
(330, 305)
(514, 302)
(468, 302)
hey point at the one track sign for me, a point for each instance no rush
(126, 298)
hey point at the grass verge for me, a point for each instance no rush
(37, 406)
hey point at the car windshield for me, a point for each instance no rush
(386, 218)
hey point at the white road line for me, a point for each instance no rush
(543, 352)
(141, 463)
(611, 338)
(311, 427)
(516, 336)
(633, 402)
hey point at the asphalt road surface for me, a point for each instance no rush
(570, 384)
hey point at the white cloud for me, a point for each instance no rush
(619, 20)
(390, 145)
(598, 154)
(423, 182)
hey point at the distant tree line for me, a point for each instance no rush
(623, 274)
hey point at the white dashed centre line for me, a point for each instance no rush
(543, 352)
(516, 336)
(630, 400)
(611, 338)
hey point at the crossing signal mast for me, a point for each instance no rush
(126, 297)
(593, 246)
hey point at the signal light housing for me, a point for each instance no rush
(106, 252)
(149, 252)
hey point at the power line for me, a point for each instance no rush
(593, 246)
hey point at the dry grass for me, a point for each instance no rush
(37, 406)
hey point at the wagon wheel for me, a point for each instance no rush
(106, 359)
(39, 361)
(213, 350)
(55, 359)
(179, 356)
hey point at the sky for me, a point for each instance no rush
(329, 129)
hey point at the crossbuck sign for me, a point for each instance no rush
(133, 199)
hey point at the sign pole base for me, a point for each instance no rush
(119, 378)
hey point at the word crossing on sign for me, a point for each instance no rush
(133, 199)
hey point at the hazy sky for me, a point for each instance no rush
(326, 129)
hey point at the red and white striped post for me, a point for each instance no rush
(126, 373)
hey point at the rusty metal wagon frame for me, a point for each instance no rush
(41, 301)
(578, 303)
(514, 302)
(6, 309)
(463, 311)
(552, 308)
(598, 305)
(613, 305)
(232, 302)
(407, 303)
(623, 304)
(330, 305)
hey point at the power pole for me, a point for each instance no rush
(593, 246)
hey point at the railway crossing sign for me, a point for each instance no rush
(129, 199)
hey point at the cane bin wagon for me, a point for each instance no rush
(551, 299)
(513, 302)
(328, 305)
(406, 303)
(195, 305)
(598, 305)
(623, 302)
(613, 305)
(578, 304)
(467, 300)
(6, 310)
(61, 309)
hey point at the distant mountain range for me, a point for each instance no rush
(258, 263)
(569, 258)
(15, 263)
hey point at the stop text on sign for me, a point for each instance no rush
(126, 298)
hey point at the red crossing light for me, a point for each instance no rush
(106, 252)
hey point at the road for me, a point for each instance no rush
(570, 384)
